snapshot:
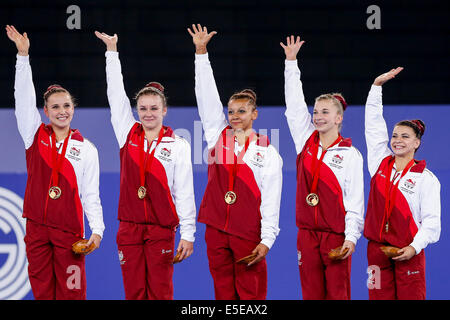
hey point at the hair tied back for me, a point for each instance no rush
(341, 100)
(419, 125)
(155, 85)
(53, 86)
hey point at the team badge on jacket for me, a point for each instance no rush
(164, 154)
(258, 159)
(74, 153)
(408, 186)
(336, 161)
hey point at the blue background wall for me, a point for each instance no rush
(192, 279)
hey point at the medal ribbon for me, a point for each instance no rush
(316, 168)
(146, 158)
(317, 163)
(391, 190)
(232, 173)
(56, 166)
(57, 161)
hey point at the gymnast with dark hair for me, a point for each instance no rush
(404, 207)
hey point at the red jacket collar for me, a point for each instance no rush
(76, 135)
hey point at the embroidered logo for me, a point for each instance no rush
(412, 272)
(75, 152)
(337, 159)
(258, 157)
(165, 152)
(299, 258)
(410, 184)
(133, 144)
(121, 257)
(166, 251)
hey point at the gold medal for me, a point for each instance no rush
(142, 192)
(312, 199)
(54, 192)
(230, 197)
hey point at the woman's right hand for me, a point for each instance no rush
(292, 47)
(382, 79)
(22, 42)
(110, 41)
(200, 37)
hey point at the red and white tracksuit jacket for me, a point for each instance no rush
(63, 218)
(339, 215)
(254, 217)
(415, 217)
(170, 194)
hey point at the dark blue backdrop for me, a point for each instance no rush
(191, 278)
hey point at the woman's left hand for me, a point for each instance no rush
(292, 47)
(406, 254)
(96, 239)
(351, 248)
(382, 79)
(261, 251)
(110, 41)
(186, 248)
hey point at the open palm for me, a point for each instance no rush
(21, 40)
(110, 41)
(200, 37)
(382, 79)
(292, 47)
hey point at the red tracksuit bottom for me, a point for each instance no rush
(395, 280)
(234, 281)
(322, 278)
(55, 272)
(146, 254)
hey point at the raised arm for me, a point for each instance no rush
(297, 115)
(210, 107)
(121, 112)
(377, 138)
(27, 115)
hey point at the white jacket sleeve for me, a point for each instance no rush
(121, 113)
(297, 114)
(27, 115)
(430, 213)
(183, 191)
(271, 186)
(354, 198)
(377, 138)
(210, 107)
(90, 194)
